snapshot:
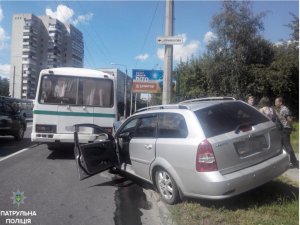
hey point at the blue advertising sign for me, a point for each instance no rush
(147, 81)
(146, 75)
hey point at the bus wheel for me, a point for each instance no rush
(20, 134)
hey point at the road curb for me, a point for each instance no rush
(164, 213)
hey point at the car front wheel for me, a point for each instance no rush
(167, 187)
(20, 134)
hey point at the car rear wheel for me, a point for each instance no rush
(20, 134)
(166, 187)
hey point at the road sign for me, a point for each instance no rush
(170, 40)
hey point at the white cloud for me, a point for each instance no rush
(3, 38)
(4, 70)
(83, 18)
(208, 37)
(181, 52)
(278, 44)
(66, 15)
(1, 14)
(3, 35)
(62, 13)
(142, 57)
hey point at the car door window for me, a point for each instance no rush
(171, 125)
(2, 109)
(6, 109)
(129, 127)
(146, 127)
(9, 109)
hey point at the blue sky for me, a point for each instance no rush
(125, 32)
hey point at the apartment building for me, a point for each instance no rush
(40, 42)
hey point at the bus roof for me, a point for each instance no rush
(71, 71)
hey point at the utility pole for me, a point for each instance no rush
(168, 60)
(13, 84)
(125, 96)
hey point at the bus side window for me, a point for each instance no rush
(80, 93)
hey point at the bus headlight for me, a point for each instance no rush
(43, 128)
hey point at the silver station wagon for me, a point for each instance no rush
(211, 148)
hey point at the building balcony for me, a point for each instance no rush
(28, 49)
(28, 61)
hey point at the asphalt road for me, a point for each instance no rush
(51, 192)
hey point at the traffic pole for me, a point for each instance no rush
(168, 58)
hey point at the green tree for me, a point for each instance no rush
(294, 26)
(240, 61)
(192, 81)
(237, 47)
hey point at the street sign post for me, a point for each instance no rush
(169, 40)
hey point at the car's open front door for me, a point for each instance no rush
(93, 158)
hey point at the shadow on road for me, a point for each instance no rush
(274, 192)
(9, 146)
(63, 152)
(129, 198)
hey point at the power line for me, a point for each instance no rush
(91, 58)
(105, 49)
(148, 31)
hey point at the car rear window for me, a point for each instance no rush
(226, 117)
(171, 125)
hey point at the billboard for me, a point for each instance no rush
(147, 81)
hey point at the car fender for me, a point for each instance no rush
(162, 162)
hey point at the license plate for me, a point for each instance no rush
(251, 146)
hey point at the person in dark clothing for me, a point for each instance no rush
(286, 120)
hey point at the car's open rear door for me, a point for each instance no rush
(93, 158)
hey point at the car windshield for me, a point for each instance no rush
(227, 117)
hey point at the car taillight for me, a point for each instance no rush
(205, 159)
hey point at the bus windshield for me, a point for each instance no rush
(76, 91)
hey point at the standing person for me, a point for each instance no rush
(284, 115)
(266, 109)
(250, 100)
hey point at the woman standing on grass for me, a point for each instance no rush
(266, 109)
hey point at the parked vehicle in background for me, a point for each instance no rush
(11, 121)
(25, 106)
(211, 148)
(66, 96)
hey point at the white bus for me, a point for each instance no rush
(68, 96)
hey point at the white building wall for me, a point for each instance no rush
(48, 44)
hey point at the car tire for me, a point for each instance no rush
(20, 134)
(166, 187)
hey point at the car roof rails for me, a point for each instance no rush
(162, 107)
(208, 99)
